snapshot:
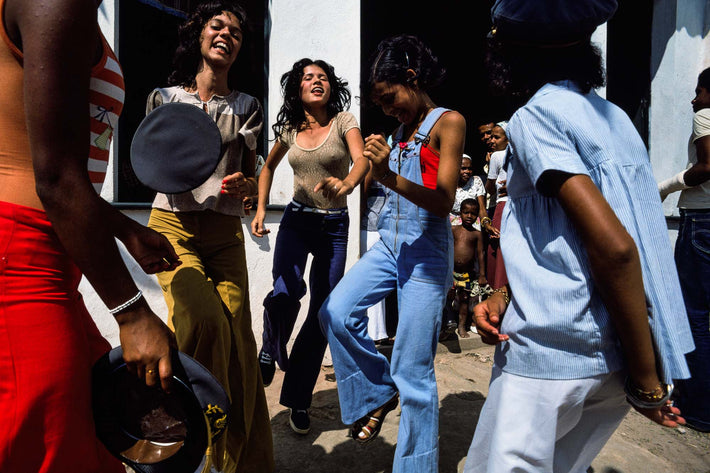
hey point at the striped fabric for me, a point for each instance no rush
(106, 96)
(558, 325)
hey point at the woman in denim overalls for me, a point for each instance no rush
(414, 257)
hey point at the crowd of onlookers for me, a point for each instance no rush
(475, 222)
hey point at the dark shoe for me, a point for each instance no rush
(299, 421)
(267, 366)
(698, 428)
(449, 331)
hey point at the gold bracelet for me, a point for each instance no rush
(505, 294)
(485, 221)
(647, 399)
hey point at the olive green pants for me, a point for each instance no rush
(208, 303)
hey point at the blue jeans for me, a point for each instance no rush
(326, 238)
(692, 256)
(365, 378)
(414, 256)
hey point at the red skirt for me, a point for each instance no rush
(48, 344)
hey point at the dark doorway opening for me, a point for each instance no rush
(456, 33)
(629, 62)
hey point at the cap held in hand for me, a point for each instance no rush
(153, 431)
(176, 148)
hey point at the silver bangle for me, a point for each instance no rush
(634, 400)
(126, 304)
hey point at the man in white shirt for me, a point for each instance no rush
(692, 257)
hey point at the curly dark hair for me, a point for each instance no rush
(518, 71)
(187, 58)
(395, 55)
(292, 116)
(704, 79)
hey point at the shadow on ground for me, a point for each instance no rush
(328, 446)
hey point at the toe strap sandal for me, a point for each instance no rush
(368, 428)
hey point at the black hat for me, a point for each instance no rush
(153, 431)
(176, 148)
(549, 22)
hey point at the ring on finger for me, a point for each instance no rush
(150, 371)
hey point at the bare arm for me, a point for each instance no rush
(332, 187)
(450, 131)
(616, 270)
(481, 255)
(700, 171)
(56, 104)
(491, 186)
(266, 178)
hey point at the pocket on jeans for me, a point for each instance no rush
(700, 235)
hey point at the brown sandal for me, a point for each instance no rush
(370, 425)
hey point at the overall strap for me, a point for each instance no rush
(397, 136)
(422, 134)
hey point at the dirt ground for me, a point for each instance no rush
(463, 370)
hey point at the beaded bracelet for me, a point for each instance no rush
(126, 304)
(505, 294)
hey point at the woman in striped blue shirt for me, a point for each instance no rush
(589, 321)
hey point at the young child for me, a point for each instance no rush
(469, 261)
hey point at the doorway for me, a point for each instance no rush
(456, 35)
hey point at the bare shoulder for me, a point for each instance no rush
(452, 120)
(450, 129)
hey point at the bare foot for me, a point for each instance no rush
(463, 333)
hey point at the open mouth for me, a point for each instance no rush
(223, 47)
(317, 90)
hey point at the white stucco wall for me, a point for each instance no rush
(331, 34)
(680, 51)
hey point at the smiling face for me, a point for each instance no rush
(398, 101)
(466, 171)
(221, 40)
(315, 86)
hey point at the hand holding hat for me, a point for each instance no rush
(151, 430)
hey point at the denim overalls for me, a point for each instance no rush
(414, 256)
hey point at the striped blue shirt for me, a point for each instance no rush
(558, 325)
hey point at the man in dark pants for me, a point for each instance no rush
(692, 257)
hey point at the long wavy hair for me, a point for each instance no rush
(518, 71)
(188, 57)
(394, 56)
(291, 115)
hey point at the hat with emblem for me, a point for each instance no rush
(153, 431)
(549, 22)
